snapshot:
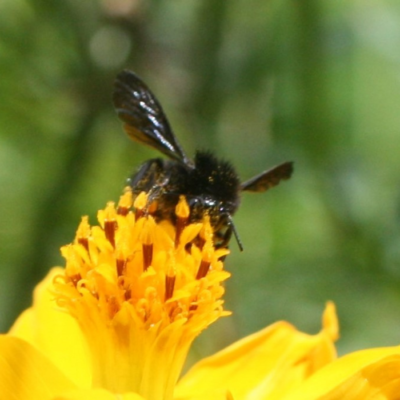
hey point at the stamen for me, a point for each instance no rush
(200, 242)
(75, 279)
(84, 242)
(205, 261)
(170, 278)
(120, 266)
(182, 211)
(83, 233)
(203, 269)
(206, 233)
(109, 229)
(110, 223)
(147, 255)
(147, 242)
(125, 202)
(140, 205)
(169, 286)
(128, 294)
(122, 210)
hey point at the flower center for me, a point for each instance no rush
(141, 291)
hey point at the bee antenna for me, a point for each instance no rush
(235, 232)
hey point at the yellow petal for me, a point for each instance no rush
(264, 365)
(363, 375)
(97, 394)
(55, 333)
(26, 374)
(212, 395)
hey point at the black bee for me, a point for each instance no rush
(210, 185)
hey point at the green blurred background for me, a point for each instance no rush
(258, 82)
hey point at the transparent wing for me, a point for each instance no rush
(268, 179)
(144, 117)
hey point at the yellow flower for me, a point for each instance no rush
(118, 320)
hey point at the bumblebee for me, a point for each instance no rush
(211, 186)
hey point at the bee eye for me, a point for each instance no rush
(194, 202)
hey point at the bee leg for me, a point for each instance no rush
(222, 237)
(150, 178)
(147, 176)
(156, 191)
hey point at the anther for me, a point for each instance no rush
(147, 255)
(128, 295)
(170, 277)
(125, 202)
(122, 210)
(169, 286)
(182, 212)
(203, 269)
(193, 307)
(200, 242)
(139, 213)
(205, 261)
(84, 242)
(147, 243)
(140, 204)
(83, 233)
(206, 233)
(120, 266)
(109, 230)
(113, 306)
(110, 223)
(75, 279)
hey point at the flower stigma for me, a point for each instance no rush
(141, 291)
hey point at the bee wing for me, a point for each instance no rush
(268, 179)
(144, 117)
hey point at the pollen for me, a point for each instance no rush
(141, 290)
